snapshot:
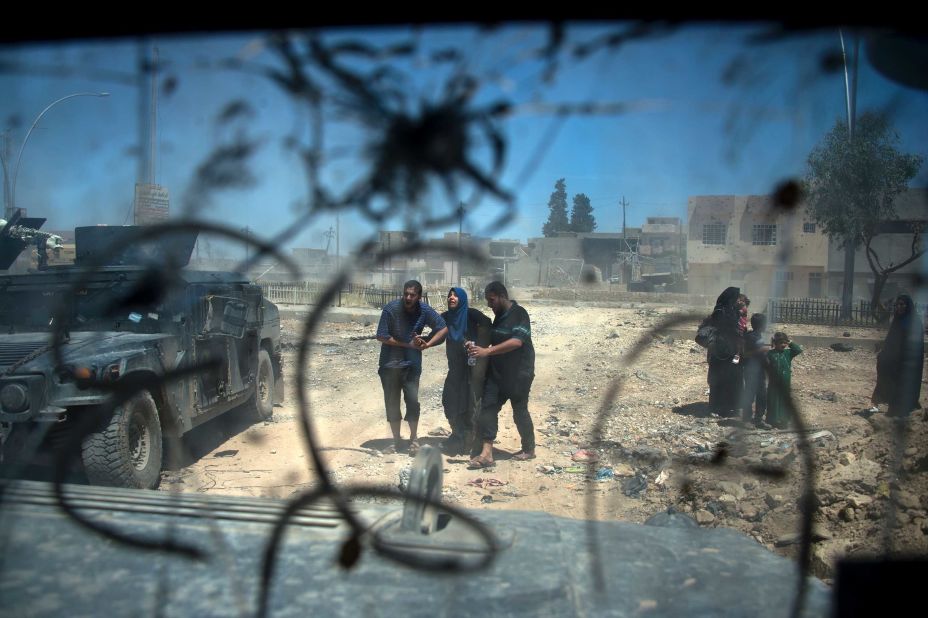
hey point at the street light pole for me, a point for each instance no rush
(29, 132)
(850, 97)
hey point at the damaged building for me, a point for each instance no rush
(739, 241)
(439, 265)
(569, 258)
(651, 255)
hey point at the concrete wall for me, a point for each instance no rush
(739, 262)
(608, 294)
(526, 271)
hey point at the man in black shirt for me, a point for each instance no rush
(512, 369)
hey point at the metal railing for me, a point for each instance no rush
(826, 311)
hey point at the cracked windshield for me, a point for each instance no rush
(610, 317)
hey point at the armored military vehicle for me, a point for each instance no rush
(127, 348)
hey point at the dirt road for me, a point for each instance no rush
(658, 437)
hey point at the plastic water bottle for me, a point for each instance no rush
(471, 360)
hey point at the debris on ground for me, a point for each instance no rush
(635, 486)
(487, 482)
(604, 474)
(405, 474)
(585, 455)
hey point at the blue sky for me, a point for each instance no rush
(689, 131)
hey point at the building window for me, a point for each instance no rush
(815, 285)
(764, 234)
(808, 228)
(713, 233)
(784, 275)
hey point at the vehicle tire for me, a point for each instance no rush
(261, 404)
(128, 451)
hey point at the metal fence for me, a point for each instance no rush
(825, 311)
(309, 292)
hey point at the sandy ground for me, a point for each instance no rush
(656, 452)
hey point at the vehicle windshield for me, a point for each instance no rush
(692, 255)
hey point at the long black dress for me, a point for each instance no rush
(464, 384)
(725, 376)
(900, 363)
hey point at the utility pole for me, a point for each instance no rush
(625, 249)
(247, 232)
(329, 235)
(153, 122)
(460, 231)
(624, 205)
(4, 160)
(338, 239)
(850, 97)
(152, 202)
(143, 101)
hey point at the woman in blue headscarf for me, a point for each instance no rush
(464, 383)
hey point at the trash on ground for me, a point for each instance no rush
(486, 482)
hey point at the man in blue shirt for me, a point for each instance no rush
(401, 323)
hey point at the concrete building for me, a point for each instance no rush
(431, 265)
(395, 270)
(663, 246)
(561, 261)
(740, 241)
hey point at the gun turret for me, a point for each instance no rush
(24, 236)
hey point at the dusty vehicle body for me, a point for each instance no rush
(541, 566)
(129, 321)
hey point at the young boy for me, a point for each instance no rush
(755, 377)
(779, 366)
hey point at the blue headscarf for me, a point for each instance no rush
(457, 318)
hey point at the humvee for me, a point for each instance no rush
(132, 315)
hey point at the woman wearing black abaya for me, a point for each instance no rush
(900, 362)
(724, 355)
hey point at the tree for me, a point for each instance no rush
(557, 219)
(852, 184)
(581, 215)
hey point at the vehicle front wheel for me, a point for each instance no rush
(127, 452)
(261, 405)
